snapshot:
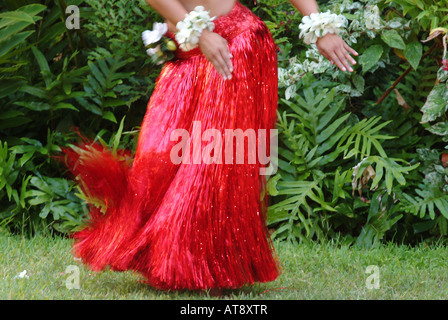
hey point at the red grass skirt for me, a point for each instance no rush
(187, 226)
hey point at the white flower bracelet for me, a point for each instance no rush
(316, 25)
(190, 29)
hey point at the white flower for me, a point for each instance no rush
(150, 37)
(183, 35)
(198, 9)
(183, 24)
(161, 28)
(153, 51)
(190, 29)
(187, 46)
(317, 25)
(22, 275)
(203, 24)
(198, 13)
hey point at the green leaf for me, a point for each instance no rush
(442, 75)
(393, 39)
(109, 116)
(34, 105)
(413, 53)
(37, 92)
(67, 88)
(271, 185)
(43, 64)
(423, 226)
(330, 130)
(13, 41)
(117, 137)
(276, 217)
(436, 104)
(32, 9)
(27, 156)
(359, 82)
(11, 30)
(440, 129)
(45, 211)
(23, 192)
(15, 122)
(97, 73)
(10, 114)
(16, 16)
(89, 106)
(9, 86)
(430, 196)
(63, 105)
(114, 103)
(370, 57)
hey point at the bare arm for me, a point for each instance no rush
(214, 47)
(172, 10)
(331, 46)
(306, 7)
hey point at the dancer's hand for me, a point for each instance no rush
(332, 47)
(216, 50)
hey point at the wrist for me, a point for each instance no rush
(205, 35)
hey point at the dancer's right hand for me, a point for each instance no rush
(216, 49)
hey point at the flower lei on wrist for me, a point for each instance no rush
(190, 29)
(158, 47)
(316, 25)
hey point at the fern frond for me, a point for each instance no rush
(364, 135)
(296, 204)
(389, 168)
(103, 84)
(430, 198)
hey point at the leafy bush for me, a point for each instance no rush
(54, 79)
(320, 174)
(357, 164)
(362, 155)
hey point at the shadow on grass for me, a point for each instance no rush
(133, 285)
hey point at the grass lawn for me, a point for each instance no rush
(324, 271)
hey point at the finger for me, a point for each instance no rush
(225, 55)
(219, 69)
(350, 49)
(343, 58)
(347, 54)
(220, 66)
(329, 58)
(350, 58)
(335, 59)
(326, 56)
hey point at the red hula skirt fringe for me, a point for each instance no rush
(187, 226)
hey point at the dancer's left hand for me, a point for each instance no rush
(332, 47)
(216, 49)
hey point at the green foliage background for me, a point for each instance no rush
(360, 154)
